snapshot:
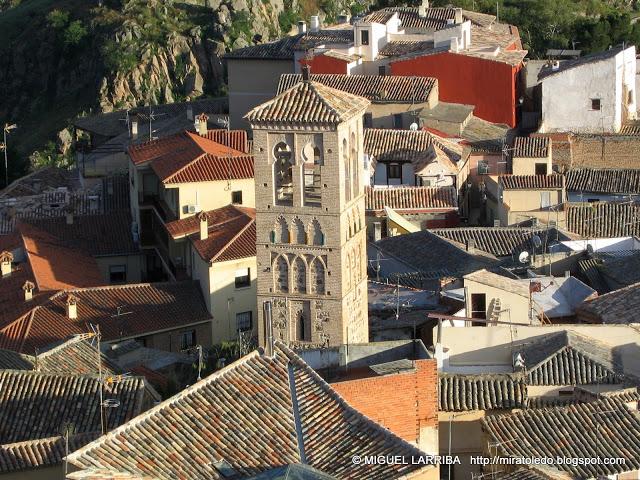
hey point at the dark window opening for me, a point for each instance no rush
(187, 339)
(397, 120)
(368, 120)
(394, 171)
(595, 104)
(478, 308)
(541, 168)
(236, 197)
(301, 328)
(243, 279)
(117, 274)
(244, 321)
(382, 70)
(364, 37)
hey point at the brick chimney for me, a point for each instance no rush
(28, 288)
(204, 225)
(72, 307)
(134, 126)
(6, 259)
(306, 73)
(202, 124)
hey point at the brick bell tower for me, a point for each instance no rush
(311, 241)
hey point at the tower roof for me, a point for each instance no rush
(309, 102)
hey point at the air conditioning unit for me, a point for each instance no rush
(193, 208)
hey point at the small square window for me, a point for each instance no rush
(368, 120)
(187, 339)
(483, 167)
(364, 37)
(244, 321)
(595, 104)
(236, 197)
(243, 279)
(541, 168)
(397, 120)
(117, 273)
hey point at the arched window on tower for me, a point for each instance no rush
(299, 276)
(283, 174)
(281, 231)
(312, 175)
(317, 277)
(347, 170)
(355, 170)
(315, 231)
(281, 274)
(298, 233)
(301, 326)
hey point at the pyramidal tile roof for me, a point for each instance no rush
(309, 102)
(258, 413)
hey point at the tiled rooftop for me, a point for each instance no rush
(603, 219)
(609, 181)
(411, 199)
(576, 431)
(308, 102)
(144, 308)
(435, 18)
(501, 241)
(464, 392)
(619, 306)
(501, 282)
(406, 145)
(532, 182)
(531, 147)
(375, 88)
(232, 233)
(578, 62)
(188, 157)
(258, 413)
(608, 271)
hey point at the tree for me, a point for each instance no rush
(74, 33)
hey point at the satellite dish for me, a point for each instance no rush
(536, 241)
(523, 257)
(413, 127)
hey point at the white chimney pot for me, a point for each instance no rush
(204, 226)
(6, 258)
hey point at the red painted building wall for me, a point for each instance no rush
(490, 86)
(325, 64)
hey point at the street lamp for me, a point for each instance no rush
(7, 128)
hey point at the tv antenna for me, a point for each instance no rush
(152, 116)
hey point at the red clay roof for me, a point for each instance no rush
(56, 266)
(232, 233)
(188, 157)
(411, 199)
(144, 309)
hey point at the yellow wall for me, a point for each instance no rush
(517, 305)
(527, 166)
(213, 195)
(223, 299)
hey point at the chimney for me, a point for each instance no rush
(471, 245)
(314, 23)
(202, 124)
(204, 225)
(28, 290)
(134, 126)
(422, 8)
(6, 258)
(72, 307)
(190, 112)
(69, 216)
(306, 73)
(302, 27)
(459, 18)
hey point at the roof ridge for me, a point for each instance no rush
(188, 164)
(315, 85)
(234, 238)
(119, 287)
(80, 337)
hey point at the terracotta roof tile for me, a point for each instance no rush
(406, 145)
(258, 413)
(532, 182)
(232, 233)
(465, 392)
(376, 88)
(603, 220)
(570, 432)
(611, 181)
(403, 199)
(309, 102)
(435, 18)
(209, 168)
(38, 405)
(619, 306)
(531, 147)
(152, 307)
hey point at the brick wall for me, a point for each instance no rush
(405, 403)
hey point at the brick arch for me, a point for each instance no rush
(299, 275)
(316, 234)
(280, 268)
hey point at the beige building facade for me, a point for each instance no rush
(310, 225)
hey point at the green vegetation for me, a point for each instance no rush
(589, 25)
(240, 26)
